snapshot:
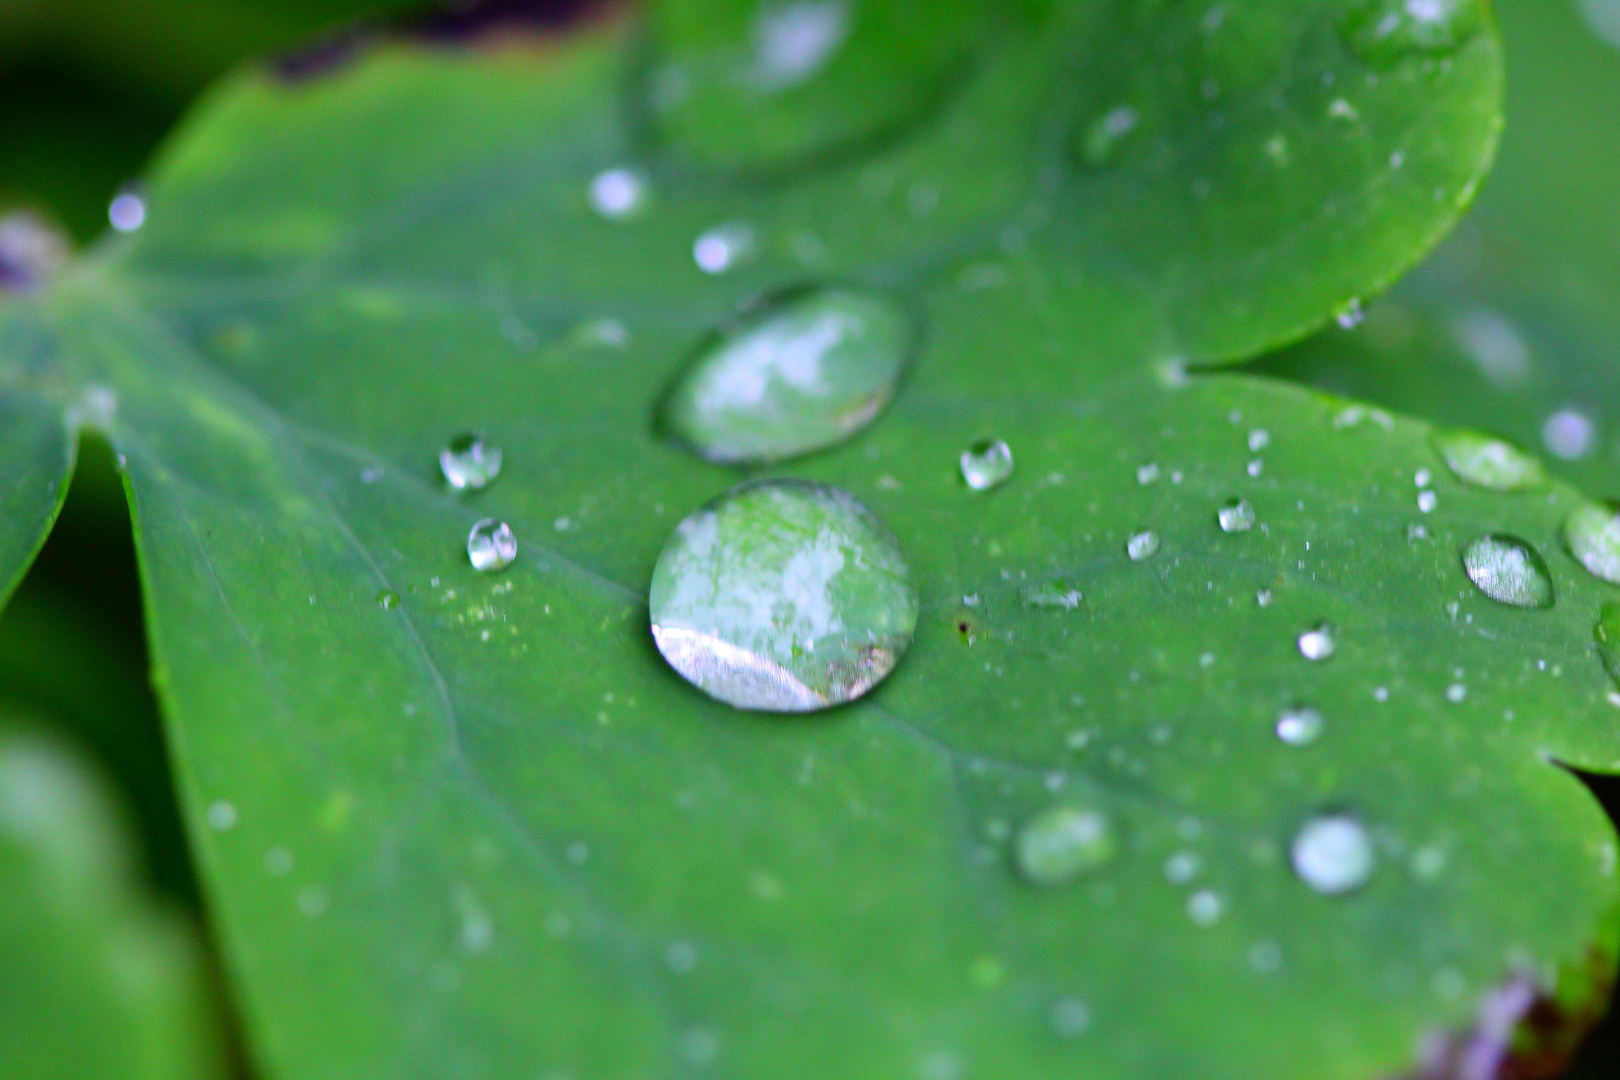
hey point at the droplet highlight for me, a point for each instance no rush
(469, 463)
(618, 194)
(1319, 642)
(987, 464)
(1063, 844)
(1333, 855)
(782, 596)
(1488, 462)
(1300, 726)
(491, 546)
(722, 248)
(1592, 535)
(1142, 545)
(1509, 571)
(800, 376)
(1236, 516)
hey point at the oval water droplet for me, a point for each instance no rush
(1064, 843)
(1057, 593)
(469, 463)
(802, 375)
(782, 596)
(1385, 32)
(1101, 143)
(1488, 462)
(1509, 571)
(1236, 516)
(1333, 854)
(1319, 642)
(987, 464)
(1300, 726)
(1592, 535)
(1142, 545)
(491, 546)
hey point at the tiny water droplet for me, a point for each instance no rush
(618, 194)
(491, 546)
(388, 600)
(1204, 907)
(1318, 643)
(987, 464)
(1064, 843)
(1236, 516)
(798, 376)
(1351, 315)
(1264, 598)
(782, 596)
(1385, 32)
(127, 212)
(1058, 593)
(723, 247)
(1456, 693)
(1488, 462)
(1259, 439)
(1592, 535)
(1333, 854)
(1300, 726)
(1569, 435)
(469, 463)
(1102, 141)
(1181, 867)
(1509, 571)
(1427, 501)
(1142, 545)
(1147, 474)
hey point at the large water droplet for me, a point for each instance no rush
(1300, 726)
(1318, 643)
(1142, 545)
(1236, 516)
(1058, 593)
(782, 596)
(802, 375)
(1384, 32)
(1333, 854)
(1488, 462)
(1064, 843)
(491, 545)
(469, 463)
(1592, 534)
(1509, 571)
(987, 464)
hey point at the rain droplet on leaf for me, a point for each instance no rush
(1333, 854)
(782, 596)
(1058, 593)
(1509, 571)
(1064, 843)
(1592, 534)
(1488, 462)
(618, 194)
(723, 247)
(1385, 32)
(987, 464)
(1318, 643)
(1300, 726)
(802, 375)
(469, 463)
(127, 212)
(388, 600)
(1142, 545)
(491, 546)
(1236, 516)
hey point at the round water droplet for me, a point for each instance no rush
(1101, 143)
(723, 247)
(127, 212)
(1064, 843)
(1488, 462)
(1300, 726)
(618, 194)
(782, 596)
(1427, 501)
(1142, 545)
(1592, 534)
(987, 464)
(469, 463)
(1058, 593)
(1509, 571)
(1204, 907)
(1333, 854)
(802, 375)
(1236, 516)
(1318, 643)
(491, 545)
(1569, 434)
(1385, 32)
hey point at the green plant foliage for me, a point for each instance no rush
(100, 980)
(458, 823)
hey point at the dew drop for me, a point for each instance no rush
(1351, 315)
(1385, 32)
(1569, 435)
(491, 546)
(469, 463)
(1236, 516)
(1064, 843)
(1259, 439)
(1427, 501)
(618, 194)
(1102, 142)
(1142, 545)
(1592, 535)
(782, 596)
(800, 376)
(1488, 462)
(987, 464)
(1057, 593)
(1333, 855)
(1318, 643)
(127, 212)
(388, 600)
(1300, 726)
(1509, 571)
(1147, 474)
(723, 247)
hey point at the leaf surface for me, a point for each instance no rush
(484, 831)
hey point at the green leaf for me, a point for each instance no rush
(38, 460)
(466, 824)
(100, 980)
